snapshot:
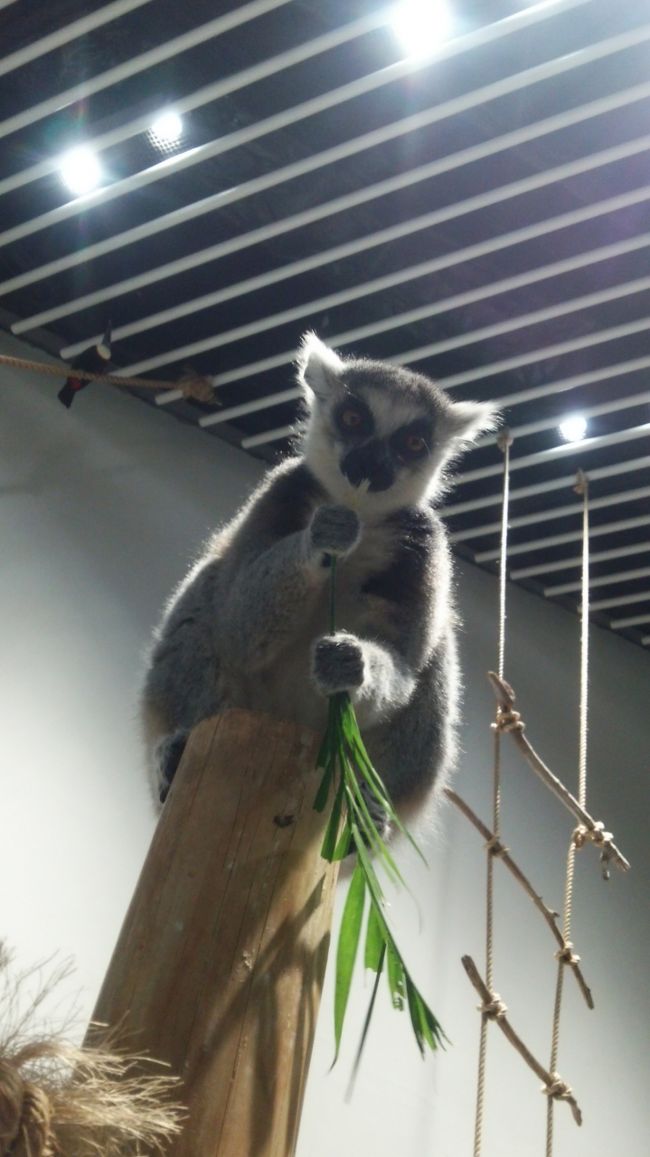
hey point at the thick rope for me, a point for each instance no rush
(566, 957)
(190, 384)
(494, 846)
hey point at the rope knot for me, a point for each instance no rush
(567, 955)
(507, 719)
(598, 836)
(495, 847)
(558, 1089)
(494, 1008)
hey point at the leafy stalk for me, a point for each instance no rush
(347, 766)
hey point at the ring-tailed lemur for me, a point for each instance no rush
(248, 626)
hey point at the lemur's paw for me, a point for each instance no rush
(168, 756)
(335, 529)
(338, 663)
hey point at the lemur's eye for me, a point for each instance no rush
(415, 444)
(351, 418)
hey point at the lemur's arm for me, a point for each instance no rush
(277, 587)
(380, 666)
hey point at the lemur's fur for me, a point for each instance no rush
(248, 626)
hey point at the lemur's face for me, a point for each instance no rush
(379, 442)
(378, 436)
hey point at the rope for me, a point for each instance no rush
(190, 384)
(578, 837)
(25, 1117)
(494, 846)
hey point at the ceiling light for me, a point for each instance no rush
(421, 25)
(573, 428)
(80, 170)
(167, 129)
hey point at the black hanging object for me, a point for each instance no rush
(96, 359)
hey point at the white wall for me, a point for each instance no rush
(102, 507)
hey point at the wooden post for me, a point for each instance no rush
(219, 966)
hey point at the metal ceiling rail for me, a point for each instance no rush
(362, 86)
(64, 35)
(627, 403)
(621, 576)
(567, 481)
(426, 312)
(561, 539)
(541, 457)
(299, 168)
(561, 385)
(481, 530)
(210, 92)
(341, 297)
(231, 412)
(569, 563)
(268, 436)
(569, 346)
(631, 621)
(391, 233)
(620, 600)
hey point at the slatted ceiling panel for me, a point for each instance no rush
(483, 216)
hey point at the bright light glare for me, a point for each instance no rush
(80, 170)
(421, 25)
(167, 129)
(573, 428)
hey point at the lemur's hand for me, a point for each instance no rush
(334, 530)
(338, 663)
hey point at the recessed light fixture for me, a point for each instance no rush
(166, 130)
(573, 428)
(421, 25)
(80, 170)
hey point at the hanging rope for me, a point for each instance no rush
(191, 384)
(577, 840)
(494, 845)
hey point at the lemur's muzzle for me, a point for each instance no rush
(373, 462)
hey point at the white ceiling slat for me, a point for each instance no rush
(631, 621)
(209, 93)
(623, 576)
(62, 36)
(566, 482)
(310, 164)
(383, 236)
(571, 563)
(561, 385)
(564, 450)
(260, 439)
(217, 27)
(551, 512)
(338, 96)
(620, 600)
(550, 540)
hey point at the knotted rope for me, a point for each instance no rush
(580, 834)
(504, 442)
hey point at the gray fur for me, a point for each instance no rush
(248, 626)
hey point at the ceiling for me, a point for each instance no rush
(480, 213)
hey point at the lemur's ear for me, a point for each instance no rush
(466, 421)
(319, 367)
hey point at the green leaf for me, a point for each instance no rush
(330, 839)
(396, 977)
(347, 950)
(366, 1023)
(375, 940)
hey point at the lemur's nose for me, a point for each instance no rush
(373, 462)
